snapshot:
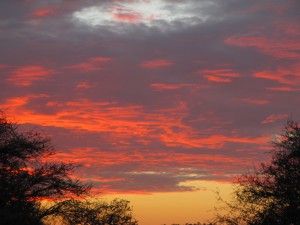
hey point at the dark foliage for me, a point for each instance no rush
(71, 212)
(25, 179)
(198, 223)
(270, 194)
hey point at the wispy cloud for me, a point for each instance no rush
(26, 75)
(156, 63)
(93, 64)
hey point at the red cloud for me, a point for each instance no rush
(132, 131)
(43, 12)
(126, 122)
(218, 79)
(25, 76)
(2, 66)
(19, 102)
(93, 64)
(92, 156)
(282, 88)
(213, 141)
(100, 59)
(277, 8)
(277, 48)
(159, 164)
(124, 14)
(218, 75)
(161, 87)
(255, 101)
(283, 43)
(287, 76)
(273, 118)
(85, 67)
(157, 63)
(84, 85)
(127, 17)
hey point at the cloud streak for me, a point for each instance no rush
(25, 76)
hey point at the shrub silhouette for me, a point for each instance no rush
(270, 195)
(117, 212)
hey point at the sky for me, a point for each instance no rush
(160, 101)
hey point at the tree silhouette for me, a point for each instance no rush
(270, 194)
(26, 179)
(88, 212)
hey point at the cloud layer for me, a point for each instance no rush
(149, 94)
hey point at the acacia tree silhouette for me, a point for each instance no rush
(25, 179)
(271, 193)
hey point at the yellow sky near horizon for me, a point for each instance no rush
(176, 207)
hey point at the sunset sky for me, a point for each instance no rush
(160, 101)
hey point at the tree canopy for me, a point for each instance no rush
(26, 178)
(91, 212)
(271, 193)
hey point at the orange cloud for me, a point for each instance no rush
(25, 76)
(274, 117)
(122, 123)
(19, 102)
(90, 157)
(218, 79)
(157, 63)
(93, 64)
(213, 141)
(162, 87)
(218, 75)
(132, 132)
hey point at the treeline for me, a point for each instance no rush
(267, 195)
(198, 223)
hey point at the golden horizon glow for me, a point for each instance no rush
(177, 207)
